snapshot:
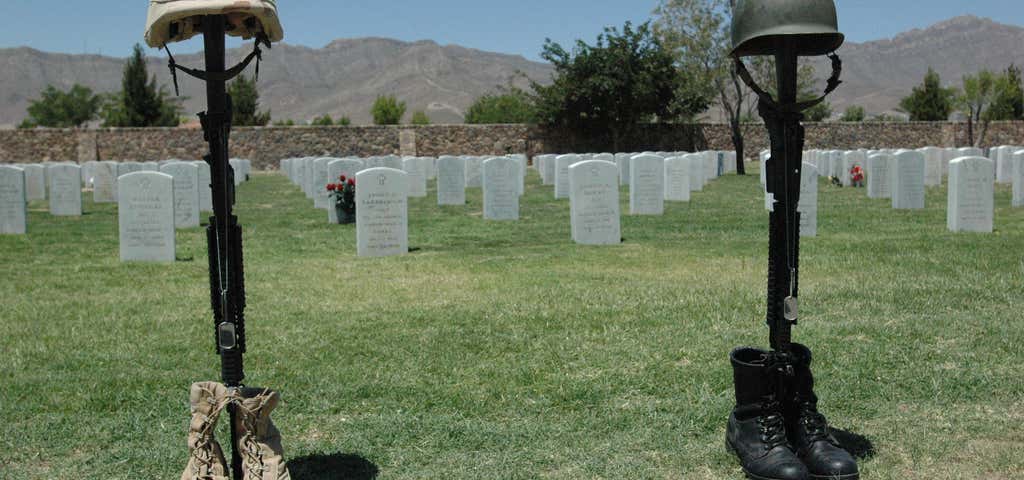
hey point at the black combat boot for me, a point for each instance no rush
(756, 431)
(808, 430)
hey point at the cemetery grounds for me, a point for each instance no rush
(503, 350)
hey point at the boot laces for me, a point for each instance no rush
(251, 449)
(773, 430)
(202, 453)
(813, 422)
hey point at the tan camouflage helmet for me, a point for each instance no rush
(172, 21)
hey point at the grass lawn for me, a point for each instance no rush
(503, 350)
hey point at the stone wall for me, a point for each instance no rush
(266, 146)
(41, 145)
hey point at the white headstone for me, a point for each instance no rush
(35, 181)
(309, 177)
(622, 161)
(1018, 178)
(710, 166)
(879, 173)
(451, 181)
(1004, 163)
(969, 152)
(852, 159)
(562, 164)
(65, 189)
(594, 203)
(104, 182)
(765, 155)
(696, 171)
(416, 170)
(124, 168)
(393, 162)
(88, 172)
(321, 195)
(808, 206)
(431, 163)
(549, 169)
(347, 167)
(521, 184)
(13, 210)
(971, 205)
(205, 186)
(382, 212)
(501, 188)
(647, 185)
(145, 217)
(932, 166)
(186, 193)
(908, 181)
(299, 177)
(835, 163)
(948, 154)
(677, 179)
(730, 162)
(474, 172)
(236, 168)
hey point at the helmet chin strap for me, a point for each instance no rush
(833, 83)
(224, 76)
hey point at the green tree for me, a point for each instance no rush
(507, 105)
(762, 70)
(285, 123)
(245, 103)
(343, 121)
(608, 88)
(1009, 98)
(929, 102)
(387, 110)
(699, 34)
(324, 121)
(887, 118)
(140, 103)
(818, 113)
(57, 109)
(854, 113)
(419, 117)
(979, 91)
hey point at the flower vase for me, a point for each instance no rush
(346, 218)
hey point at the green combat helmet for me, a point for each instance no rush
(757, 24)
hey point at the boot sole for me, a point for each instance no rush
(849, 476)
(751, 476)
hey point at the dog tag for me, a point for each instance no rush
(226, 336)
(790, 308)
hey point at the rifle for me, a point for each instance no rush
(783, 117)
(223, 234)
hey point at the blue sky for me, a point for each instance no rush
(110, 27)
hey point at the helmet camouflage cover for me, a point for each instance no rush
(176, 20)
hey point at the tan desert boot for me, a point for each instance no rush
(206, 459)
(259, 441)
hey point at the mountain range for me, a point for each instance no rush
(877, 74)
(345, 76)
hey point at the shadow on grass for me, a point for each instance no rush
(334, 466)
(858, 445)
